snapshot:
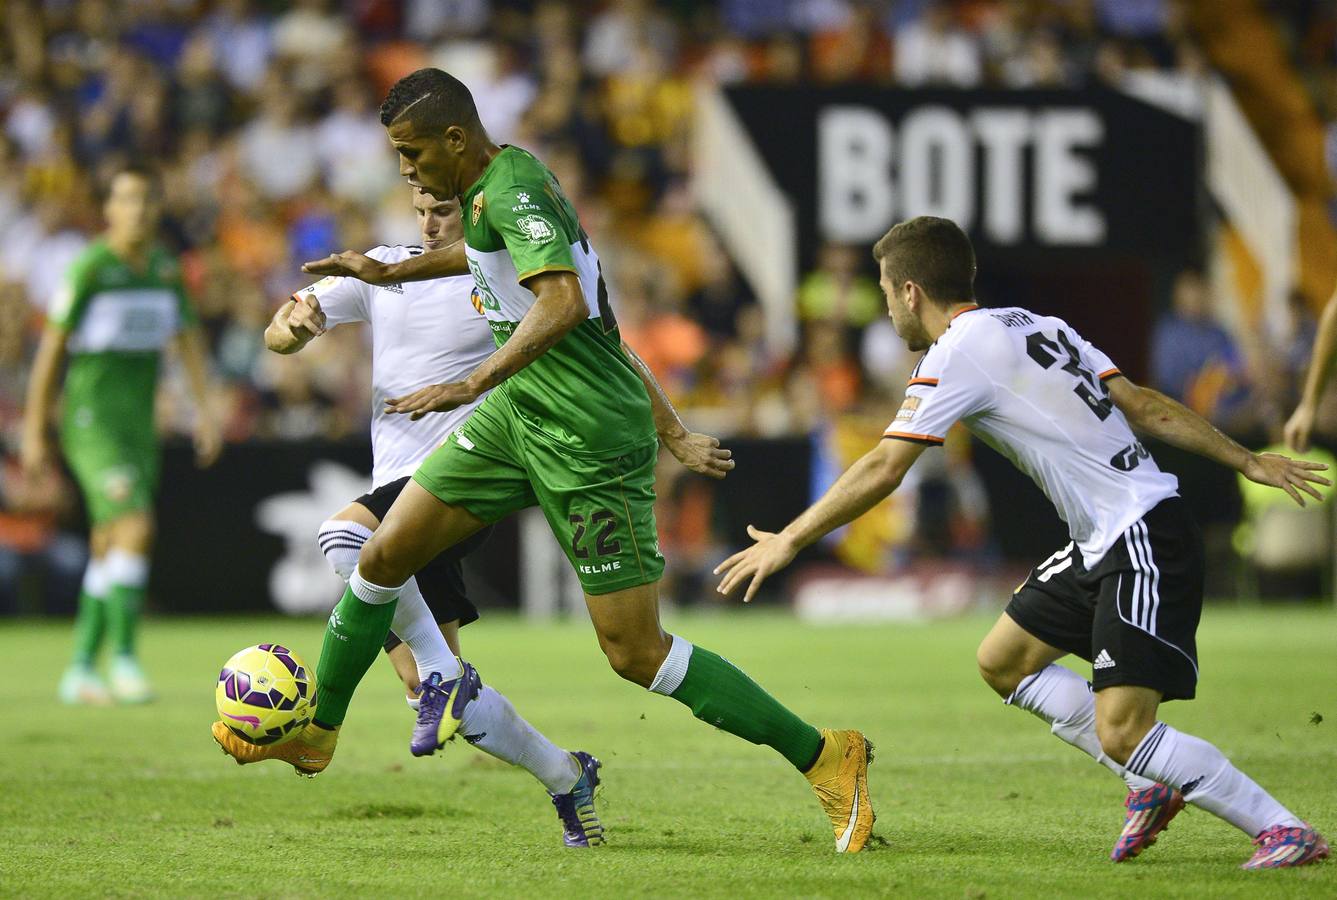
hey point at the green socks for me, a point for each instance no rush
(353, 638)
(127, 577)
(720, 694)
(89, 627)
(123, 607)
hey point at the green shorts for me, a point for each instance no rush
(602, 511)
(116, 476)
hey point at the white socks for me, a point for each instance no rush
(1063, 699)
(492, 724)
(416, 626)
(125, 569)
(674, 667)
(95, 579)
(1207, 779)
(341, 541)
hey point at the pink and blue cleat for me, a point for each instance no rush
(1149, 812)
(1281, 847)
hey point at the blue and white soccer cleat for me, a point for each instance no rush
(440, 709)
(580, 823)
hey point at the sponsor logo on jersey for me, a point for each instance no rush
(118, 483)
(1103, 661)
(538, 229)
(907, 410)
(522, 197)
(477, 209)
(396, 288)
(600, 568)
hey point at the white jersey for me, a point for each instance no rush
(423, 332)
(1031, 388)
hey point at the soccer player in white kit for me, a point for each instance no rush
(425, 332)
(1126, 593)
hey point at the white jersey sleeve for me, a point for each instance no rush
(946, 386)
(347, 300)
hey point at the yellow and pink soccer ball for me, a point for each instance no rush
(266, 694)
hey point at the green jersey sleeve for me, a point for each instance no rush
(537, 228)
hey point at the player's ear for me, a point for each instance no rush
(456, 139)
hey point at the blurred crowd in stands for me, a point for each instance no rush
(262, 118)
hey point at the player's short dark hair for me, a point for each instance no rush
(934, 253)
(432, 99)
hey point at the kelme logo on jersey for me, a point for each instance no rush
(538, 229)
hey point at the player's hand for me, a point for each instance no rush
(770, 554)
(433, 398)
(306, 319)
(208, 442)
(1299, 427)
(700, 453)
(351, 264)
(1291, 475)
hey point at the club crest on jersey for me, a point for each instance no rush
(477, 212)
(538, 229)
(907, 410)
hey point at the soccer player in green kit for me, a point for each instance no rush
(121, 305)
(569, 426)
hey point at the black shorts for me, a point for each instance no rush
(441, 580)
(1134, 615)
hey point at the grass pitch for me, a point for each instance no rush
(974, 800)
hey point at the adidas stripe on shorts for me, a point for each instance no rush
(1134, 615)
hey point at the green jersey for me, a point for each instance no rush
(582, 396)
(119, 319)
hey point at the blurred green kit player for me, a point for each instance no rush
(569, 426)
(122, 303)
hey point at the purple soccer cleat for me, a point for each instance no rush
(1149, 812)
(580, 823)
(1281, 847)
(440, 709)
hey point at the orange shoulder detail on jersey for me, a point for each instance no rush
(931, 382)
(964, 309)
(1109, 373)
(908, 436)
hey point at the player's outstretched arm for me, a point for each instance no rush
(1152, 413)
(1300, 426)
(195, 359)
(700, 453)
(36, 451)
(864, 484)
(559, 306)
(296, 324)
(449, 260)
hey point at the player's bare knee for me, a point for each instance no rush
(1119, 738)
(378, 563)
(999, 673)
(636, 661)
